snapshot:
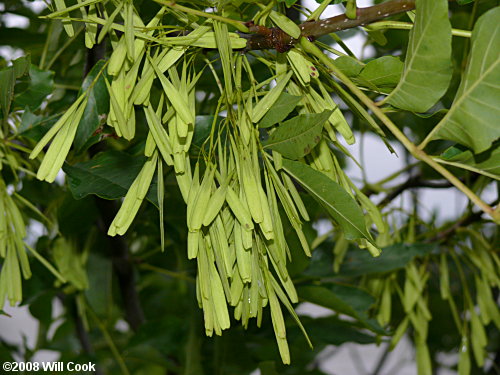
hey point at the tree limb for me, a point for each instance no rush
(262, 37)
(122, 265)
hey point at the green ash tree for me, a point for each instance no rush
(178, 156)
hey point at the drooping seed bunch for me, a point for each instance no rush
(12, 249)
(236, 187)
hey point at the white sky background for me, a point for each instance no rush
(378, 162)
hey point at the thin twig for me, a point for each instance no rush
(413, 182)
(398, 25)
(465, 221)
(109, 341)
(173, 274)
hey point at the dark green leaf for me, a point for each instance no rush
(358, 263)
(34, 126)
(341, 206)
(296, 137)
(268, 368)
(40, 86)
(100, 292)
(333, 331)
(348, 300)
(427, 70)
(108, 175)
(172, 329)
(473, 118)
(97, 106)
(41, 310)
(321, 262)
(280, 109)
(21, 66)
(8, 78)
(359, 299)
(76, 217)
(323, 296)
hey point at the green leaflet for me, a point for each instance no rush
(296, 137)
(427, 71)
(380, 74)
(384, 72)
(333, 197)
(349, 65)
(473, 118)
(280, 109)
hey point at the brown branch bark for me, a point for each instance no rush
(123, 266)
(413, 182)
(268, 38)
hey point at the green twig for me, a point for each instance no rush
(382, 25)
(33, 208)
(68, 43)
(173, 274)
(46, 263)
(109, 340)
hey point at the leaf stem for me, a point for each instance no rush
(173, 274)
(410, 146)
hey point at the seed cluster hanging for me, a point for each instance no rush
(234, 191)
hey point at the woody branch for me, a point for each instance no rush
(261, 37)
